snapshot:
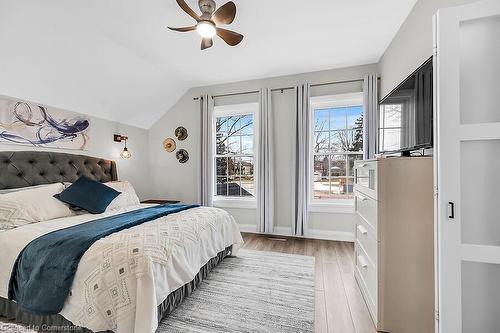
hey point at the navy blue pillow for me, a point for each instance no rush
(88, 194)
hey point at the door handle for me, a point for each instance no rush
(451, 210)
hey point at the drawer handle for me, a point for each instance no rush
(362, 198)
(362, 229)
(362, 261)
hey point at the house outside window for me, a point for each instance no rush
(235, 153)
(336, 141)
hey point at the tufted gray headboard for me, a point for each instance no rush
(29, 168)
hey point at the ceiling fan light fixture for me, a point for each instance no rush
(206, 29)
(209, 22)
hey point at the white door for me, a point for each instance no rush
(467, 100)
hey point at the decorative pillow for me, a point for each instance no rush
(127, 198)
(88, 194)
(31, 206)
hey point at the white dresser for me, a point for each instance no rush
(394, 265)
(366, 245)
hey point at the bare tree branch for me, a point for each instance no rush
(318, 129)
(221, 140)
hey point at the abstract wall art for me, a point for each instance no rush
(28, 123)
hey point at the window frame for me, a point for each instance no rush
(328, 102)
(235, 110)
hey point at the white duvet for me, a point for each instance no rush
(122, 278)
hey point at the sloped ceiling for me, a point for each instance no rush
(116, 60)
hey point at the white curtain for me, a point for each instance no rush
(265, 160)
(370, 122)
(206, 180)
(302, 158)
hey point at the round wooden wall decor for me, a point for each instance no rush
(182, 155)
(169, 145)
(181, 133)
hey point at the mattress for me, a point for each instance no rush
(123, 280)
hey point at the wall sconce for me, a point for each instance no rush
(119, 138)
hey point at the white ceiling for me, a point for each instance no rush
(116, 60)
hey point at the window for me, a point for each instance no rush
(336, 142)
(234, 128)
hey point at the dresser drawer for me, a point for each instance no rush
(367, 237)
(367, 271)
(367, 208)
(365, 177)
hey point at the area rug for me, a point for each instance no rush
(257, 292)
(254, 292)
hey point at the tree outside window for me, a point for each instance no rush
(338, 142)
(234, 158)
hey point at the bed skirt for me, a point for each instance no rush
(11, 311)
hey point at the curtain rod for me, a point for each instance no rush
(284, 88)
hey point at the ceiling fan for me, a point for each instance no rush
(210, 19)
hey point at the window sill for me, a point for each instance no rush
(332, 207)
(235, 203)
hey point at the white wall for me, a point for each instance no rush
(101, 145)
(177, 181)
(412, 45)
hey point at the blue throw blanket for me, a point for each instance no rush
(42, 276)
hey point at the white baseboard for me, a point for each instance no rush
(250, 228)
(342, 236)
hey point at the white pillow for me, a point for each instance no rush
(127, 197)
(31, 206)
(12, 190)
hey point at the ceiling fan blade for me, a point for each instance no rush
(188, 10)
(206, 43)
(225, 14)
(230, 37)
(184, 29)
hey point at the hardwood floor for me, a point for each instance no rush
(340, 307)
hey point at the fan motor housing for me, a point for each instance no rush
(207, 7)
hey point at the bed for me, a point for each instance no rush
(127, 281)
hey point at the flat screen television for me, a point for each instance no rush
(405, 114)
